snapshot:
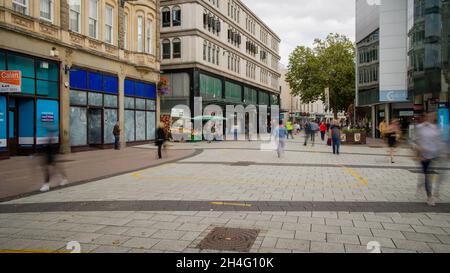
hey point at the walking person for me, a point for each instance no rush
(51, 168)
(428, 146)
(290, 129)
(323, 130)
(116, 133)
(281, 134)
(382, 128)
(314, 129)
(160, 139)
(335, 132)
(392, 135)
(307, 127)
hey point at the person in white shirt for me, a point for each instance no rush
(429, 147)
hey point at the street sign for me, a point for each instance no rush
(10, 81)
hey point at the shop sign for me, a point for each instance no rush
(393, 95)
(177, 113)
(10, 81)
(406, 113)
(47, 117)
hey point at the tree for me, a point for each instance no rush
(329, 64)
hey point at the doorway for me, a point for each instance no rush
(13, 118)
(95, 130)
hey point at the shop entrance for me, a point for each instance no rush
(21, 126)
(13, 128)
(95, 131)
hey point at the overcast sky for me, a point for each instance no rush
(299, 22)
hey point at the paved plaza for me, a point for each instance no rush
(308, 201)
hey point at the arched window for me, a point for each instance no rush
(140, 34)
(148, 36)
(166, 49)
(176, 44)
(165, 16)
(176, 16)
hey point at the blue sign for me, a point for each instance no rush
(48, 126)
(3, 137)
(393, 95)
(443, 121)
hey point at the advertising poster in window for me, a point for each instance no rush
(443, 121)
(10, 81)
(47, 122)
(2, 123)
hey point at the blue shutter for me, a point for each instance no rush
(151, 94)
(140, 89)
(129, 88)
(110, 84)
(78, 79)
(95, 81)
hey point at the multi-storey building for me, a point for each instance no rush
(381, 70)
(218, 50)
(85, 64)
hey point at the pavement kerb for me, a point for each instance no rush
(81, 182)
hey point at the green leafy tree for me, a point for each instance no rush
(329, 64)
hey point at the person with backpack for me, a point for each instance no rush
(335, 133)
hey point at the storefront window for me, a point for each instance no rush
(210, 87)
(140, 104)
(3, 123)
(233, 92)
(2, 61)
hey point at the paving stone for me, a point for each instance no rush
(387, 233)
(141, 223)
(444, 238)
(366, 224)
(440, 248)
(193, 227)
(269, 242)
(421, 237)
(140, 232)
(396, 250)
(112, 240)
(378, 218)
(111, 249)
(311, 236)
(112, 230)
(285, 234)
(356, 231)
(187, 219)
(325, 214)
(435, 223)
(300, 245)
(413, 245)
(295, 226)
(384, 242)
(338, 222)
(344, 239)
(326, 229)
(84, 237)
(141, 243)
(168, 234)
(399, 227)
(311, 220)
(406, 220)
(285, 219)
(349, 248)
(171, 245)
(427, 229)
(319, 247)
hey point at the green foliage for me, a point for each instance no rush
(329, 64)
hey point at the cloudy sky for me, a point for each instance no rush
(299, 22)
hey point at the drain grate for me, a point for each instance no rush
(242, 163)
(229, 239)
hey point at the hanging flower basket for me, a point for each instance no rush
(163, 87)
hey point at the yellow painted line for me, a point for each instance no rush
(33, 251)
(362, 181)
(230, 204)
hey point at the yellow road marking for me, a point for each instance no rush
(230, 204)
(362, 181)
(33, 251)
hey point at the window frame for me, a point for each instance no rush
(78, 13)
(149, 36)
(51, 10)
(176, 10)
(95, 20)
(166, 56)
(25, 6)
(140, 34)
(176, 55)
(111, 27)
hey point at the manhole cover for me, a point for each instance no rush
(229, 239)
(242, 163)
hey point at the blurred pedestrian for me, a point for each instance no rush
(428, 146)
(160, 139)
(50, 167)
(323, 130)
(290, 129)
(392, 134)
(335, 132)
(382, 128)
(116, 133)
(307, 127)
(314, 129)
(281, 134)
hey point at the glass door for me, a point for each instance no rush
(95, 132)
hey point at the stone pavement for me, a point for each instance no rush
(227, 179)
(24, 175)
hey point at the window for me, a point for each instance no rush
(148, 39)
(47, 10)
(109, 34)
(176, 48)
(125, 31)
(75, 11)
(176, 13)
(140, 40)
(21, 6)
(166, 49)
(205, 46)
(165, 17)
(93, 18)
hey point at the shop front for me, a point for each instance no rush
(29, 118)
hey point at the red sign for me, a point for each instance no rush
(10, 81)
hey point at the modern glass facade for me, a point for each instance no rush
(429, 74)
(29, 119)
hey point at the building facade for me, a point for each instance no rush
(218, 50)
(84, 66)
(382, 63)
(429, 74)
